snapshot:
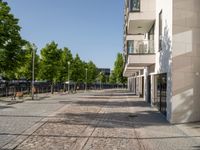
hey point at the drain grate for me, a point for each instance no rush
(132, 116)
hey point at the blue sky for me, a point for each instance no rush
(91, 28)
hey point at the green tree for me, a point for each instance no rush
(11, 43)
(50, 63)
(66, 56)
(25, 70)
(101, 77)
(117, 74)
(77, 71)
(91, 72)
(112, 78)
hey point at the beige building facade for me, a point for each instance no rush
(162, 55)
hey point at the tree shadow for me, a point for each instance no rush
(113, 103)
(113, 120)
(38, 98)
(196, 147)
(185, 65)
(165, 66)
(5, 107)
(114, 92)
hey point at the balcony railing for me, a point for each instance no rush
(140, 47)
(134, 5)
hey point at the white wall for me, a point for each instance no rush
(186, 61)
(163, 57)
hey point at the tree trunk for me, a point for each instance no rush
(52, 88)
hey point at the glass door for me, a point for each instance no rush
(161, 92)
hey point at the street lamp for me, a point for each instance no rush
(33, 70)
(100, 79)
(86, 79)
(68, 74)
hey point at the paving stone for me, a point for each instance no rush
(105, 120)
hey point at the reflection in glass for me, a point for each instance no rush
(134, 5)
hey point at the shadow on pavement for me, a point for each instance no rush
(196, 147)
(38, 98)
(122, 137)
(115, 94)
(113, 103)
(4, 107)
(113, 120)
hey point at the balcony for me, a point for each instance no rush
(139, 54)
(140, 16)
(140, 47)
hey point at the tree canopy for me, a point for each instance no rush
(91, 72)
(53, 64)
(117, 73)
(25, 70)
(66, 57)
(50, 62)
(11, 43)
(78, 70)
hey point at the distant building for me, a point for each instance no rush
(106, 71)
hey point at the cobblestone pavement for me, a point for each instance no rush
(15, 119)
(106, 120)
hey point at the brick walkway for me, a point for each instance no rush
(110, 120)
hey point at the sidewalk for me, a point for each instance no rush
(108, 120)
(191, 130)
(9, 100)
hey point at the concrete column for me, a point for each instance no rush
(152, 89)
(146, 86)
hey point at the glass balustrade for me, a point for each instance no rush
(140, 47)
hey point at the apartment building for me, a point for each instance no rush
(162, 55)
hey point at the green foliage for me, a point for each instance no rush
(16, 56)
(117, 74)
(78, 70)
(112, 78)
(25, 70)
(91, 72)
(101, 77)
(11, 43)
(66, 56)
(50, 62)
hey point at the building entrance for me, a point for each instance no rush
(161, 92)
(149, 89)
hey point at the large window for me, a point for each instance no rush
(130, 45)
(134, 5)
(151, 40)
(160, 30)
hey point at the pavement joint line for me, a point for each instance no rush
(108, 129)
(99, 121)
(108, 137)
(137, 135)
(14, 143)
(94, 128)
(81, 143)
(186, 135)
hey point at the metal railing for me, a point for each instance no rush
(140, 47)
(9, 89)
